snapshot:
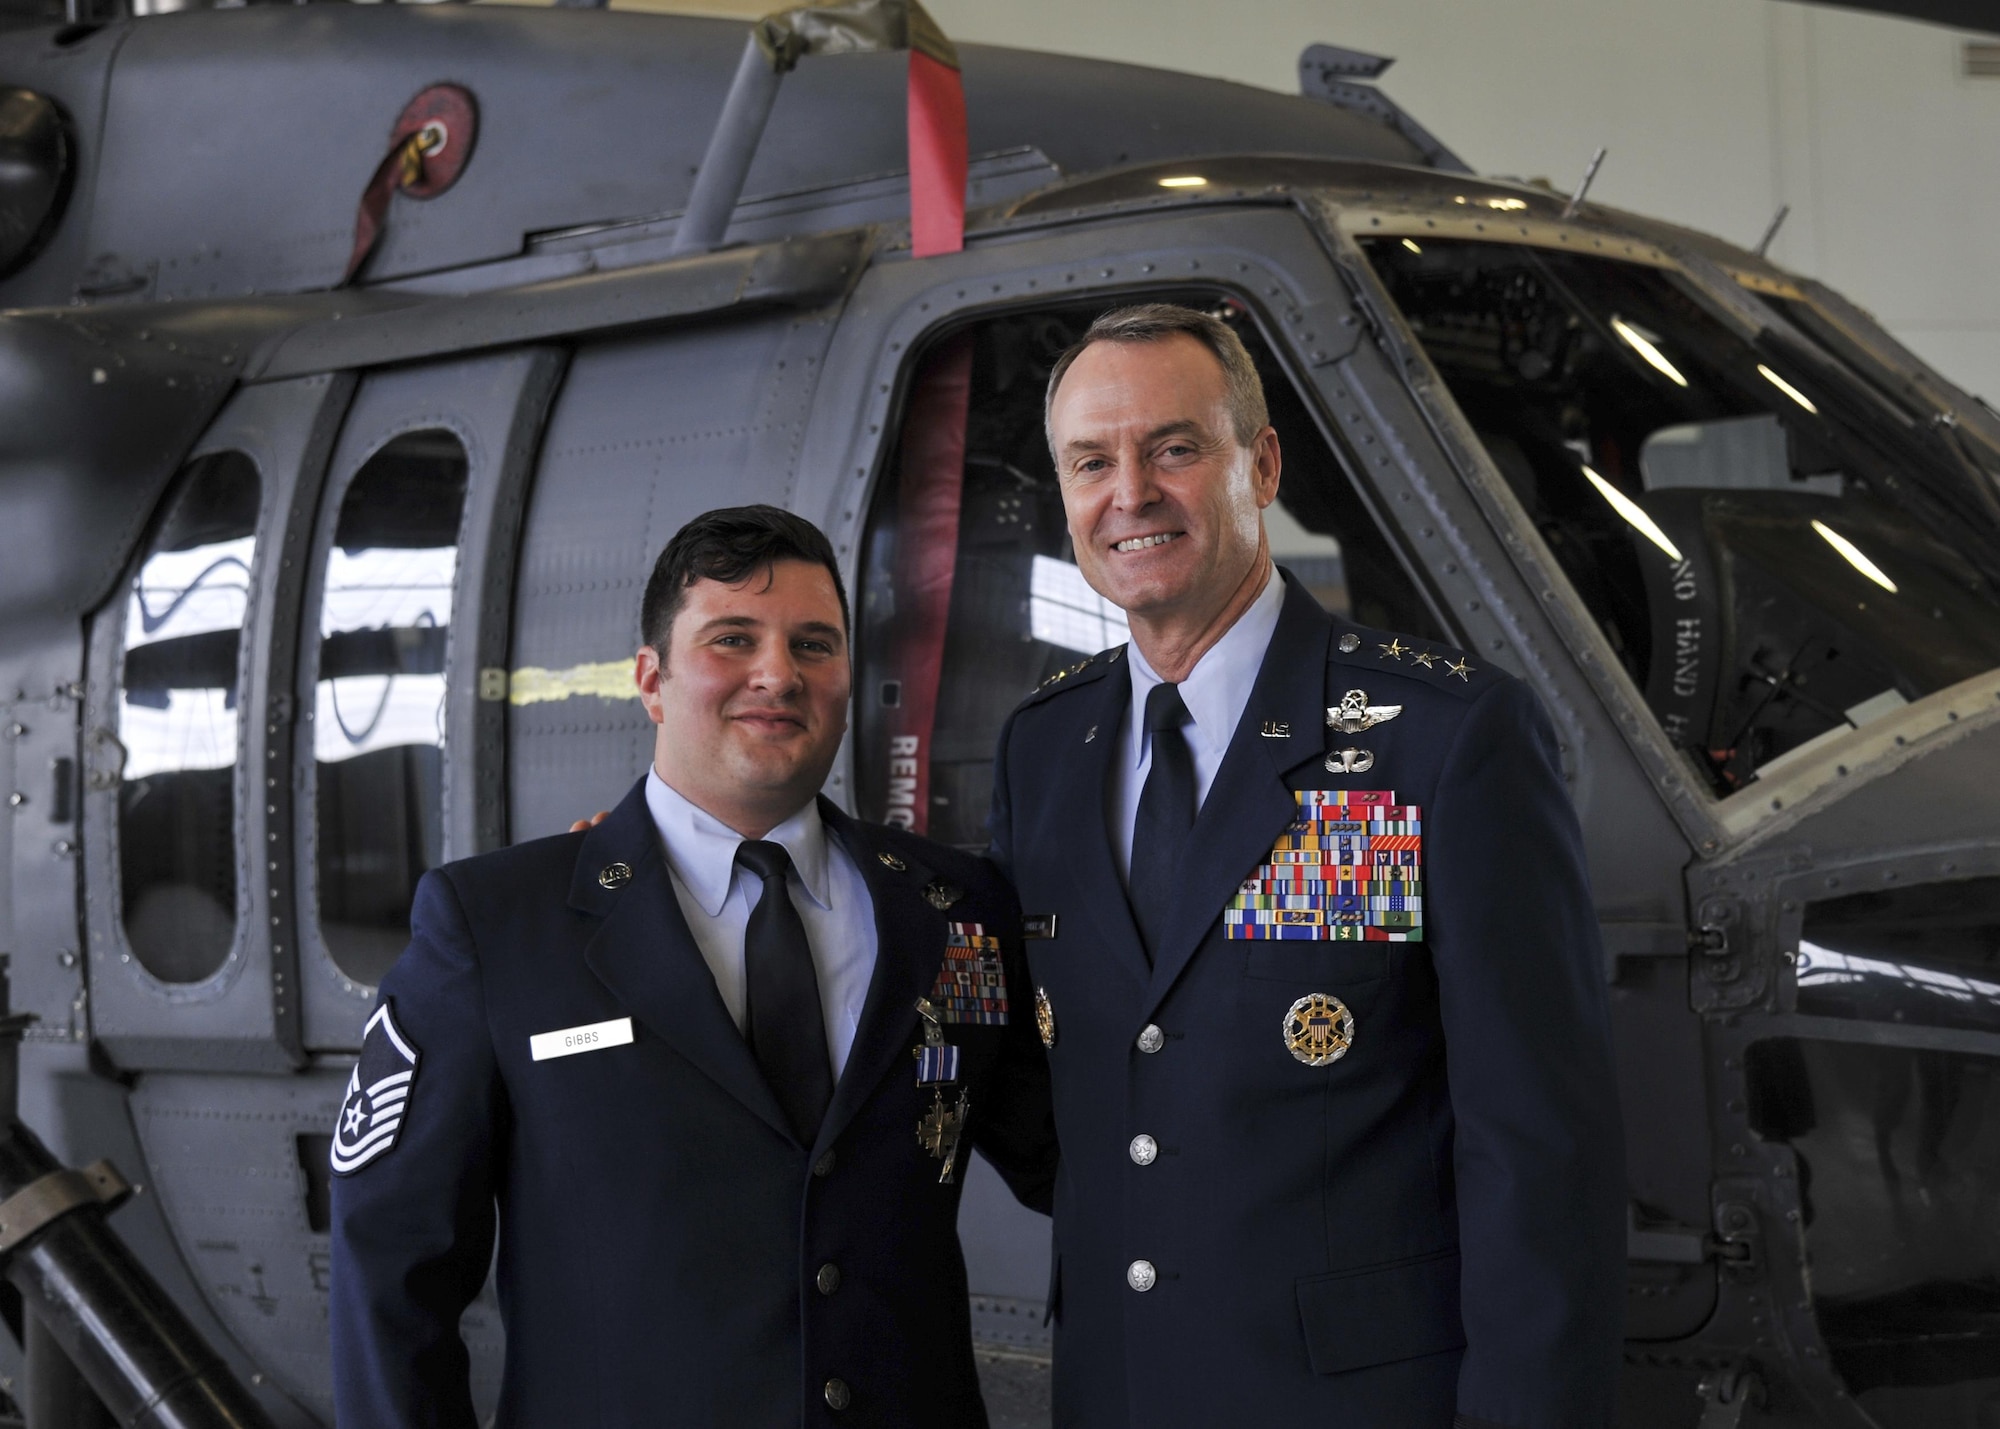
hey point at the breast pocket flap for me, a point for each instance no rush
(1381, 1314)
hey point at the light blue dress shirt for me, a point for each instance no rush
(1215, 692)
(716, 898)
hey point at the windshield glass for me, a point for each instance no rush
(1777, 554)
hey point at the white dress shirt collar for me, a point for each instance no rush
(701, 849)
(1218, 687)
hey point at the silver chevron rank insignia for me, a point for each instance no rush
(1354, 714)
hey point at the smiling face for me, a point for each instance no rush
(1165, 504)
(752, 698)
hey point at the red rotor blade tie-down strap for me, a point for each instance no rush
(938, 162)
(930, 492)
(428, 150)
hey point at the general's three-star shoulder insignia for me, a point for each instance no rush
(1427, 656)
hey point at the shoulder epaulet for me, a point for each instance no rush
(1425, 660)
(1081, 673)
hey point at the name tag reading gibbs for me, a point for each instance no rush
(570, 1040)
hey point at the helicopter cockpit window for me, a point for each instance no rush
(177, 717)
(378, 718)
(1774, 555)
(971, 595)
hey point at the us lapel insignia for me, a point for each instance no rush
(1318, 1029)
(1045, 1017)
(1354, 714)
(891, 862)
(1276, 729)
(941, 895)
(614, 875)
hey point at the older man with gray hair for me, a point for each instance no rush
(1324, 1006)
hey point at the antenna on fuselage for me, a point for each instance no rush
(1777, 222)
(1589, 176)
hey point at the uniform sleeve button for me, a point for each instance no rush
(838, 1395)
(1152, 1039)
(1141, 1276)
(1143, 1151)
(828, 1278)
(824, 1166)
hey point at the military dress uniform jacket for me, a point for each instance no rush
(669, 1253)
(1428, 1228)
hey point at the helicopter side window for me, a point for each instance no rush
(177, 717)
(1775, 559)
(378, 718)
(970, 594)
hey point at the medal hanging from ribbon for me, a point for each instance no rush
(941, 1125)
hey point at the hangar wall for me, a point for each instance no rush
(1715, 112)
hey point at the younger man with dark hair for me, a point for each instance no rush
(706, 1068)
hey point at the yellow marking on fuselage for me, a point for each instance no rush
(606, 680)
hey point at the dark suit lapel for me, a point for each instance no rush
(645, 954)
(1082, 769)
(909, 949)
(1250, 803)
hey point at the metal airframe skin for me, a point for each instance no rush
(604, 393)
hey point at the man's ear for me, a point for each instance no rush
(1267, 464)
(648, 671)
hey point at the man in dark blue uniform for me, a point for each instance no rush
(708, 1069)
(1324, 1000)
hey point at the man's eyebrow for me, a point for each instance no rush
(1186, 426)
(819, 627)
(729, 622)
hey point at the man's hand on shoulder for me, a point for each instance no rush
(590, 823)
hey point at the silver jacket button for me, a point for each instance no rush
(1152, 1039)
(838, 1395)
(828, 1278)
(1141, 1276)
(1144, 1149)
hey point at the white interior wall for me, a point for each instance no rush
(1715, 112)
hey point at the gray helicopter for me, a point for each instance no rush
(356, 360)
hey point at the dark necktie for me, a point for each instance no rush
(781, 1008)
(1166, 813)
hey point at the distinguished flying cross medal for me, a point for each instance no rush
(939, 1128)
(1348, 868)
(378, 1092)
(1319, 1029)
